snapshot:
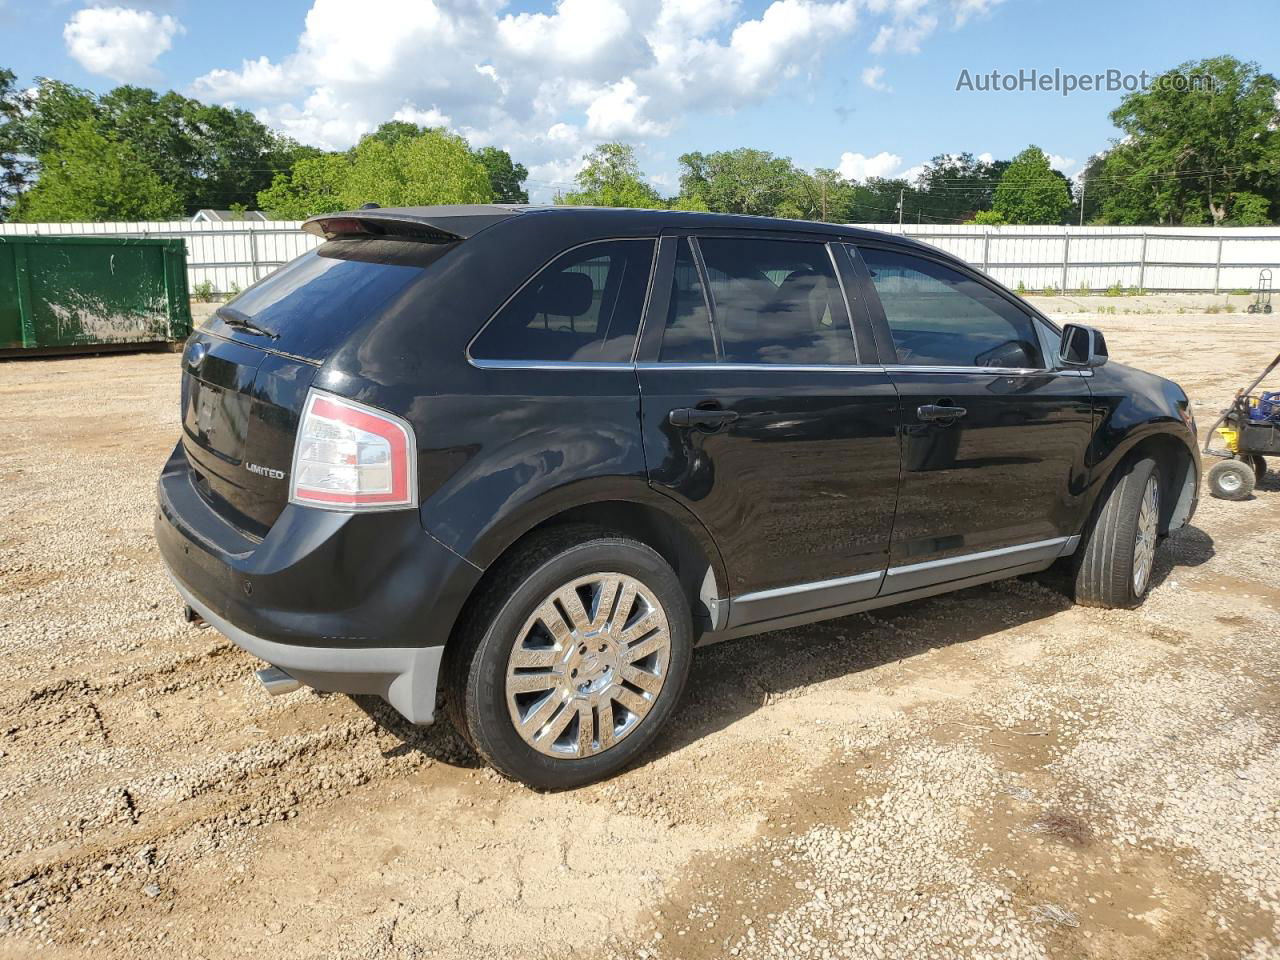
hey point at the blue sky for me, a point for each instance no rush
(865, 86)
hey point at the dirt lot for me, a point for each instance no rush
(990, 774)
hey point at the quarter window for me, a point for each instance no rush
(940, 317)
(584, 307)
(777, 301)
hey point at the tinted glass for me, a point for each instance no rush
(584, 307)
(312, 304)
(687, 335)
(940, 317)
(777, 301)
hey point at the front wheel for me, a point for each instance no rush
(575, 659)
(1232, 479)
(1115, 559)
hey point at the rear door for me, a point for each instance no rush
(760, 415)
(994, 440)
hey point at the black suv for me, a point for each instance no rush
(533, 456)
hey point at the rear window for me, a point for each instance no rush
(584, 307)
(311, 304)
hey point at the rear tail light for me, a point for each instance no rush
(352, 457)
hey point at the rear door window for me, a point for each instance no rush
(777, 301)
(687, 337)
(941, 317)
(584, 307)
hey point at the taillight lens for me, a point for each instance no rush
(352, 457)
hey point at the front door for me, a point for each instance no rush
(760, 418)
(994, 440)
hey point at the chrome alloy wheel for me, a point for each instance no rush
(588, 665)
(1144, 548)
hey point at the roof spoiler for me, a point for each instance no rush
(448, 225)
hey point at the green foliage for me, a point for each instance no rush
(957, 187)
(203, 291)
(1187, 153)
(1049, 291)
(745, 181)
(1249, 210)
(1021, 288)
(87, 175)
(1085, 290)
(210, 156)
(1115, 290)
(611, 178)
(1031, 191)
(397, 170)
(506, 179)
(12, 172)
(990, 218)
(233, 290)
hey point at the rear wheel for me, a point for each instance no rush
(575, 659)
(1232, 480)
(1115, 559)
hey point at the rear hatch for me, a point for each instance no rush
(246, 372)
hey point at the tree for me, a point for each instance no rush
(12, 175)
(989, 218)
(744, 181)
(1030, 191)
(1188, 147)
(955, 186)
(430, 167)
(86, 175)
(611, 177)
(506, 179)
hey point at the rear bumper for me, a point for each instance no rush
(406, 677)
(343, 603)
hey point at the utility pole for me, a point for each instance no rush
(824, 200)
(1084, 188)
(901, 196)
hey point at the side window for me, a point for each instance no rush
(687, 336)
(940, 317)
(584, 307)
(777, 301)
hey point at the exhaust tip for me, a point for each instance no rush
(276, 682)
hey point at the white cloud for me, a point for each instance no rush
(423, 118)
(550, 83)
(1062, 164)
(965, 10)
(873, 77)
(258, 79)
(618, 112)
(986, 157)
(857, 166)
(118, 42)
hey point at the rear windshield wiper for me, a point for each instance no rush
(234, 318)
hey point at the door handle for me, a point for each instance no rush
(936, 411)
(698, 417)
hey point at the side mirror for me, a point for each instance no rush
(1082, 346)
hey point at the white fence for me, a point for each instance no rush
(230, 255)
(1186, 259)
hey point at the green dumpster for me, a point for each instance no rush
(63, 294)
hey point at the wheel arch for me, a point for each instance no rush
(1179, 474)
(639, 513)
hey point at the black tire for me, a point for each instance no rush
(1232, 480)
(1104, 566)
(476, 665)
(1259, 464)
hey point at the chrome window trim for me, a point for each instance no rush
(479, 364)
(780, 367)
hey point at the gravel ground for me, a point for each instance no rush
(989, 774)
